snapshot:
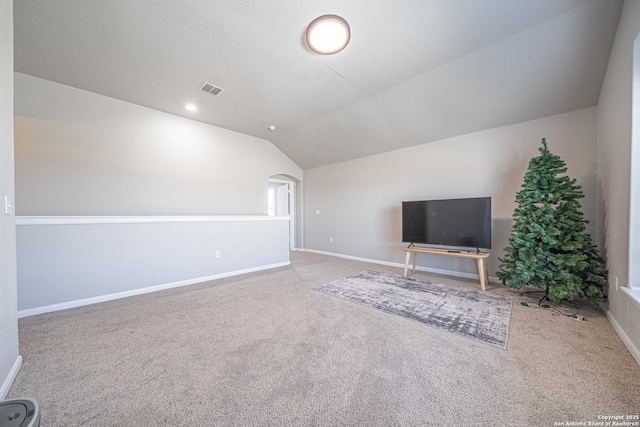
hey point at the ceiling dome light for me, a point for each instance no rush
(328, 34)
(191, 107)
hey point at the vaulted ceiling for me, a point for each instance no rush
(415, 71)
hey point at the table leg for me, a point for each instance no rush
(482, 273)
(406, 263)
(415, 256)
(486, 271)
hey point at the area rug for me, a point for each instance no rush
(474, 314)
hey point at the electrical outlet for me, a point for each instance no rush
(318, 212)
(217, 254)
(330, 239)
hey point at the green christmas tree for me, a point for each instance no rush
(548, 247)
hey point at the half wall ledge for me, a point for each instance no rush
(65, 262)
(77, 220)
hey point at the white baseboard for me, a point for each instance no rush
(624, 337)
(401, 265)
(118, 295)
(8, 382)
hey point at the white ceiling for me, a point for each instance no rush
(415, 71)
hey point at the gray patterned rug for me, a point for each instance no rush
(471, 313)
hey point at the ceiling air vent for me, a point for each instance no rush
(211, 89)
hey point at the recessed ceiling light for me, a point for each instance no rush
(272, 127)
(328, 34)
(191, 107)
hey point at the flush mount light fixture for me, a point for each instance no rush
(328, 34)
(191, 107)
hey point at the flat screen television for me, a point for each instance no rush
(462, 223)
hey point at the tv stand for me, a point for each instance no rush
(480, 257)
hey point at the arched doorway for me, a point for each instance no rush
(283, 199)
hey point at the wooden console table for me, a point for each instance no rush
(480, 257)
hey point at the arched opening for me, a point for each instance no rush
(284, 198)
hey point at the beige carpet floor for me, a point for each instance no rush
(264, 349)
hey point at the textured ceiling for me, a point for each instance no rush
(415, 71)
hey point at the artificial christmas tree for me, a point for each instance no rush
(548, 247)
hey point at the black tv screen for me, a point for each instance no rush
(451, 222)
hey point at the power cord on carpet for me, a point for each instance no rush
(554, 307)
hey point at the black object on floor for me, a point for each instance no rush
(19, 413)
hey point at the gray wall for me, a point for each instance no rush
(9, 359)
(360, 200)
(82, 154)
(614, 150)
(68, 262)
(79, 153)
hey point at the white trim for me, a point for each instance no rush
(292, 215)
(80, 220)
(624, 337)
(280, 181)
(8, 382)
(291, 188)
(633, 294)
(103, 298)
(401, 265)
